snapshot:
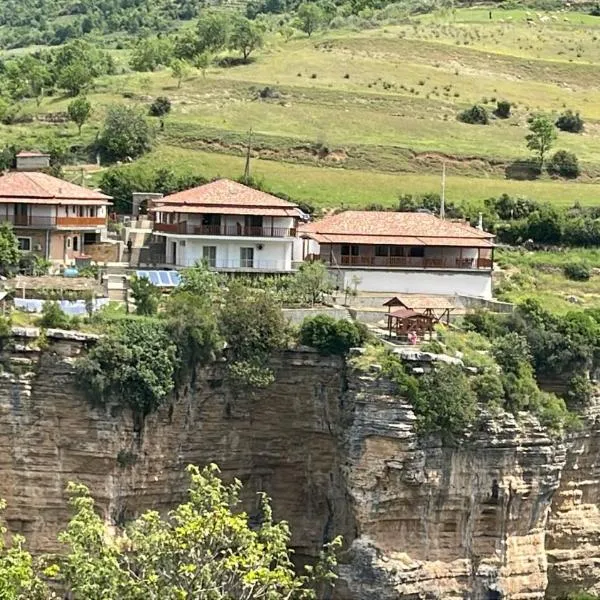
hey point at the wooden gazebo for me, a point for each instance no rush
(403, 321)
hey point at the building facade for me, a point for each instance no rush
(229, 226)
(51, 217)
(402, 253)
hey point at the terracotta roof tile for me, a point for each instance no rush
(224, 192)
(373, 227)
(18, 184)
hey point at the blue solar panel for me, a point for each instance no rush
(161, 278)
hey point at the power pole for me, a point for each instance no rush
(247, 167)
(443, 199)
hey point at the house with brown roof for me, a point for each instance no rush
(229, 225)
(402, 252)
(51, 217)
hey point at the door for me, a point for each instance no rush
(21, 214)
(253, 225)
(247, 258)
(209, 254)
(349, 254)
(174, 252)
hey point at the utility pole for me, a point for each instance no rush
(247, 167)
(443, 199)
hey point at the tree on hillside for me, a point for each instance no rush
(79, 111)
(75, 78)
(246, 36)
(179, 69)
(9, 249)
(203, 548)
(541, 137)
(151, 53)
(202, 62)
(310, 17)
(126, 133)
(145, 295)
(213, 32)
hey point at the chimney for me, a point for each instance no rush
(32, 161)
(480, 222)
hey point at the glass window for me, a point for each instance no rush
(209, 254)
(397, 250)
(24, 244)
(247, 257)
(349, 250)
(381, 250)
(417, 251)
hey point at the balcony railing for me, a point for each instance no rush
(185, 228)
(416, 262)
(51, 222)
(245, 265)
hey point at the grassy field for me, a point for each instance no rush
(358, 117)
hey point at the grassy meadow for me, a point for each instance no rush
(355, 117)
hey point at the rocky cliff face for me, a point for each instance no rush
(499, 517)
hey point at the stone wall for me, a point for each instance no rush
(496, 517)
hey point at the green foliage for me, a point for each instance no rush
(181, 555)
(145, 295)
(9, 249)
(502, 109)
(18, 577)
(253, 327)
(579, 390)
(445, 404)
(246, 36)
(79, 111)
(179, 70)
(577, 271)
(134, 364)
(126, 133)
(331, 336)
(488, 388)
(53, 317)
(310, 17)
(512, 353)
(570, 121)
(160, 107)
(564, 164)
(541, 137)
(150, 53)
(476, 115)
(212, 32)
(311, 283)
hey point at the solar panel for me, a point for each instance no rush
(142, 274)
(153, 276)
(175, 278)
(164, 278)
(161, 278)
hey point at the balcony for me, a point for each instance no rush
(411, 262)
(233, 265)
(53, 222)
(185, 228)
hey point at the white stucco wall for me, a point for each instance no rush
(476, 283)
(275, 255)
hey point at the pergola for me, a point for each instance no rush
(405, 319)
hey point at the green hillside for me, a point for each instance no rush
(362, 115)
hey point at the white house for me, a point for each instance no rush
(402, 252)
(229, 225)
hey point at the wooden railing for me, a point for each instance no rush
(80, 221)
(416, 262)
(185, 228)
(51, 222)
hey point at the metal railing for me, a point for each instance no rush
(243, 265)
(185, 228)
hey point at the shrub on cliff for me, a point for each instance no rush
(205, 543)
(145, 295)
(133, 364)
(332, 336)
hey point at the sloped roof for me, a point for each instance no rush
(225, 193)
(401, 228)
(23, 185)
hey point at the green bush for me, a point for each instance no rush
(488, 388)
(53, 317)
(503, 109)
(331, 336)
(577, 271)
(133, 364)
(570, 121)
(476, 115)
(564, 164)
(160, 107)
(145, 295)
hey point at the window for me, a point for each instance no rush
(397, 250)
(381, 250)
(247, 257)
(253, 225)
(209, 254)
(349, 250)
(75, 243)
(417, 252)
(24, 244)
(68, 242)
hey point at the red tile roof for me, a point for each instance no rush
(31, 154)
(225, 193)
(394, 228)
(20, 185)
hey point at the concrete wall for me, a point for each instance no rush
(272, 255)
(475, 283)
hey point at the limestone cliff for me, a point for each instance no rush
(497, 517)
